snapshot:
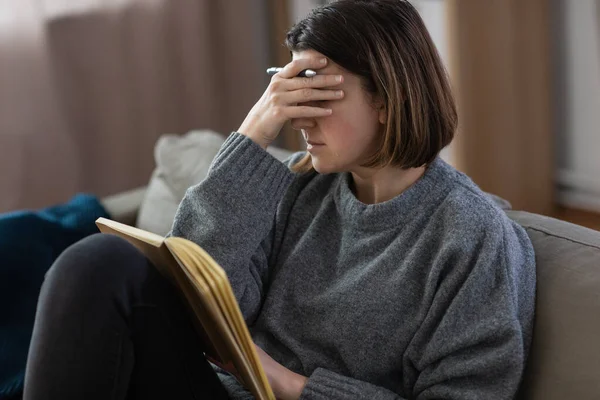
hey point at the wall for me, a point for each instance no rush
(87, 90)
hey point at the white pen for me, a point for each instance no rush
(307, 72)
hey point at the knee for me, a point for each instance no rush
(95, 261)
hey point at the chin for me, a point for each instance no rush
(324, 168)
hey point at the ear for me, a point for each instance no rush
(381, 109)
(382, 113)
(379, 105)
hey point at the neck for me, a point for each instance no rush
(376, 186)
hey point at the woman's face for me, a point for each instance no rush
(349, 134)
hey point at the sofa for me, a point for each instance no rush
(564, 361)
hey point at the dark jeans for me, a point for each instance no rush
(109, 326)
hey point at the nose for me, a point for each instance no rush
(303, 123)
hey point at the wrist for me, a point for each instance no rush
(293, 384)
(255, 138)
(299, 383)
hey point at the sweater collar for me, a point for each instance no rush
(431, 186)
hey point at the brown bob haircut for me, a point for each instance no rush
(386, 43)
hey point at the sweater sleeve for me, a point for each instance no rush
(231, 213)
(475, 335)
(474, 340)
(325, 384)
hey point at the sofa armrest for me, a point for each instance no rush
(124, 206)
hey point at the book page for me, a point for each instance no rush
(208, 270)
(222, 291)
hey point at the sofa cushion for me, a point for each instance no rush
(564, 361)
(181, 162)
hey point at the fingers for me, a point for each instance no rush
(304, 89)
(298, 65)
(296, 97)
(301, 90)
(318, 81)
(310, 94)
(307, 112)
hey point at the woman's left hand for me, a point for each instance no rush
(286, 384)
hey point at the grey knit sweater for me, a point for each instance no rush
(427, 295)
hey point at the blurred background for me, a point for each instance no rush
(88, 86)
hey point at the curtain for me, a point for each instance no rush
(88, 86)
(577, 65)
(501, 69)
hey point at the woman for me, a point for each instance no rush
(365, 267)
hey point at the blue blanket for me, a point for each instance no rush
(30, 241)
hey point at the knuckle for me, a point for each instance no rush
(277, 112)
(306, 81)
(306, 93)
(294, 64)
(275, 83)
(276, 97)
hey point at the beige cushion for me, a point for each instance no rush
(124, 206)
(565, 355)
(181, 162)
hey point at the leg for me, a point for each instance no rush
(109, 326)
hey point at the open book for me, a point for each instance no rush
(206, 288)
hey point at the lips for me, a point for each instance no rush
(314, 146)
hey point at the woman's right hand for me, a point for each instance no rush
(279, 102)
